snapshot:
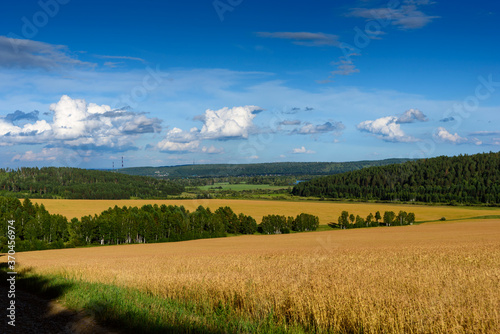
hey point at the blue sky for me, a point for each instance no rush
(83, 83)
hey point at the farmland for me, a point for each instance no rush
(326, 211)
(429, 278)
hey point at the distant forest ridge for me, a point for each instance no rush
(75, 183)
(258, 169)
(464, 179)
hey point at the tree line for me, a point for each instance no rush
(75, 183)
(259, 169)
(348, 221)
(464, 179)
(36, 228)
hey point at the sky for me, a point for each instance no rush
(162, 83)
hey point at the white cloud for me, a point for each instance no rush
(302, 150)
(228, 122)
(47, 154)
(170, 146)
(443, 135)
(387, 128)
(76, 123)
(411, 116)
(212, 150)
(304, 38)
(222, 124)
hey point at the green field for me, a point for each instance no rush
(240, 187)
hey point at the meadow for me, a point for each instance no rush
(427, 278)
(240, 187)
(326, 211)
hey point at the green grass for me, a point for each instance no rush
(134, 311)
(239, 187)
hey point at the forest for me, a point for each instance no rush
(75, 183)
(460, 180)
(259, 169)
(34, 228)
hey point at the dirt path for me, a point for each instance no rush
(35, 315)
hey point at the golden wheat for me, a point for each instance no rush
(326, 211)
(440, 278)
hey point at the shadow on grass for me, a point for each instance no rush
(32, 297)
(119, 310)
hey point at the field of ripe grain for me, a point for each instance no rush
(429, 278)
(326, 211)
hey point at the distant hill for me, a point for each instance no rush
(238, 170)
(74, 183)
(466, 179)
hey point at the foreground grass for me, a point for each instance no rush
(429, 278)
(134, 311)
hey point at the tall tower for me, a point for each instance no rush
(122, 162)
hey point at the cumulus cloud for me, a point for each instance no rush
(25, 53)
(222, 124)
(302, 150)
(386, 128)
(178, 140)
(76, 123)
(310, 129)
(407, 16)
(304, 38)
(443, 135)
(228, 123)
(412, 115)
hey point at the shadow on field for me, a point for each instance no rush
(31, 303)
(37, 312)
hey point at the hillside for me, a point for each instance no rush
(238, 170)
(74, 183)
(464, 179)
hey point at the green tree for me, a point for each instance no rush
(389, 217)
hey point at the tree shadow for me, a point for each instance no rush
(36, 311)
(32, 298)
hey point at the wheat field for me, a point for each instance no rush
(429, 278)
(326, 211)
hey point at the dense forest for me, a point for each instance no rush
(74, 183)
(464, 179)
(261, 169)
(34, 228)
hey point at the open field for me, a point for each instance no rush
(429, 278)
(240, 187)
(326, 211)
